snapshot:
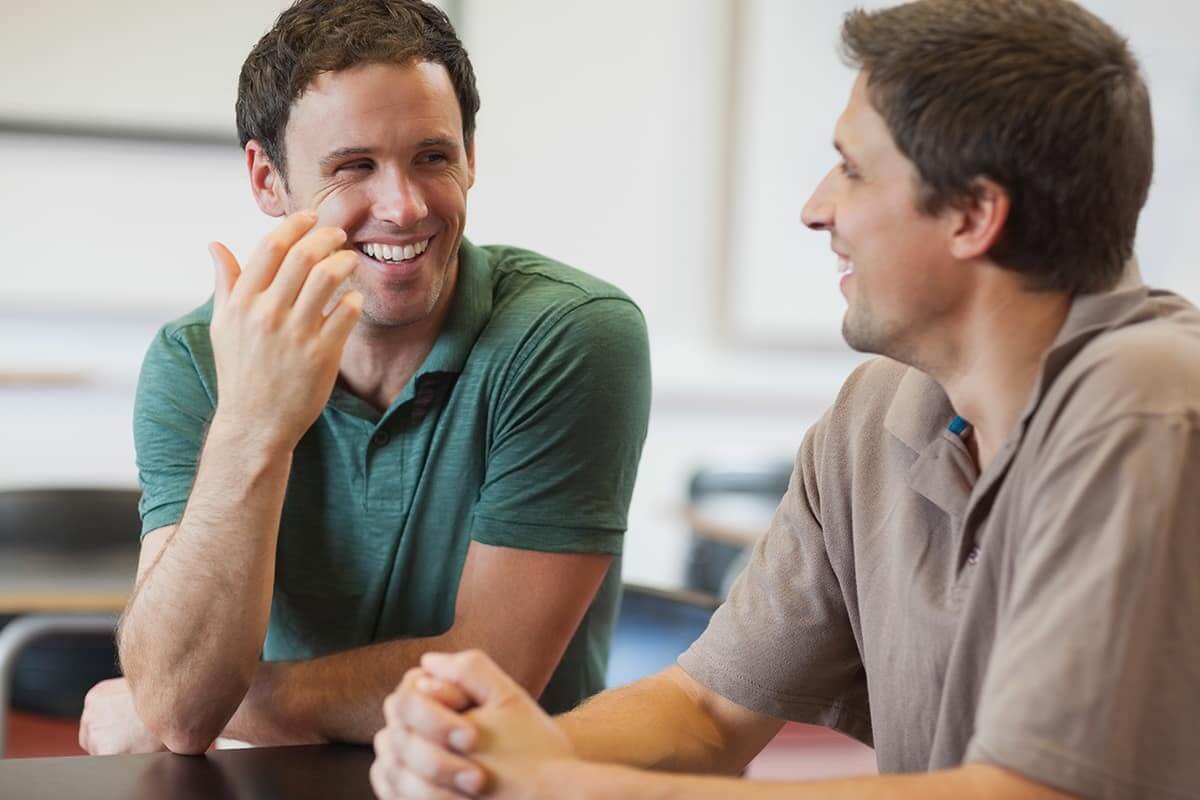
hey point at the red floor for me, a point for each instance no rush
(32, 735)
(807, 752)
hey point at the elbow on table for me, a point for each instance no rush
(184, 742)
(188, 724)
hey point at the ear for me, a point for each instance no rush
(471, 163)
(979, 219)
(266, 182)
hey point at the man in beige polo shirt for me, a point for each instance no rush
(984, 563)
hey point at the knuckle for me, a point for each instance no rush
(275, 246)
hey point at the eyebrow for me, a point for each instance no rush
(437, 141)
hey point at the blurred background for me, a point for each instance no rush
(665, 145)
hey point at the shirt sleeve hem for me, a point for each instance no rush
(161, 516)
(1043, 762)
(547, 538)
(826, 712)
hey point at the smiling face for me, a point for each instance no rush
(378, 151)
(902, 284)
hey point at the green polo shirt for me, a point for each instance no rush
(522, 428)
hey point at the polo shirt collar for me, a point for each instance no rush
(470, 310)
(920, 413)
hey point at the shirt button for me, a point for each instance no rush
(380, 438)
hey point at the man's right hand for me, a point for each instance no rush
(277, 352)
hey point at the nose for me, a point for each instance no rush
(400, 201)
(818, 211)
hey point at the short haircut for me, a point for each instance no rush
(1040, 96)
(316, 36)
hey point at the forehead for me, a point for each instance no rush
(862, 133)
(375, 105)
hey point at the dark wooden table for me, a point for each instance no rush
(265, 773)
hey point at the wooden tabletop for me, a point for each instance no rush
(76, 582)
(307, 772)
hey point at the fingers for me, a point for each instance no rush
(321, 281)
(424, 716)
(401, 750)
(227, 271)
(392, 782)
(337, 326)
(472, 671)
(304, 260)
(447, 694)
(265, 260)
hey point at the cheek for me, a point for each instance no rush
(344, 206)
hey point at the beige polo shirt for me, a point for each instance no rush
(1043, 616)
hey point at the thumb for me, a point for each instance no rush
(473, 672)
(227, 272)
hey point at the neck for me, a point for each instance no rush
(990, 372)
(379, 360)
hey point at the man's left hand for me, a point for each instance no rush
(111, 725)
(433, 747)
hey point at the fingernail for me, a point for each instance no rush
(460, 739)
(468, 781)
(425, 685)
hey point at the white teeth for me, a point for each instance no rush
(395, 253)
(845, 264)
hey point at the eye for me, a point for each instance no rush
(847, 170)
(433, 158)
(355, 166)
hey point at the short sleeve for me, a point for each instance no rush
(568, 434)
(782, 644)
(1093, 685)
(172, 410)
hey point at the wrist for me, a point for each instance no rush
(270, 714)
(253, 442)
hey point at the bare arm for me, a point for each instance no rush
(669, 722)
(191, 636)
(340, 697)
(513, 750)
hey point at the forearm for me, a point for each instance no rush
(653, 724)
(338, 697)
(191, 637)
(970, 782)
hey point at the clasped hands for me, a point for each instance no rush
(458, 726)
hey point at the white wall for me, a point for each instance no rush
(601, 142)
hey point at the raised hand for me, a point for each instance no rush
(434, 747)
(276, 349)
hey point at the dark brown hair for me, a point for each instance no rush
(316, 36)
(1042, 97)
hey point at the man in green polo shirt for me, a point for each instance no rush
(378, 439)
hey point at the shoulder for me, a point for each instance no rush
(536, 299)
(523, 280)
(1149, 367)
(189, 332)
(180, 355)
